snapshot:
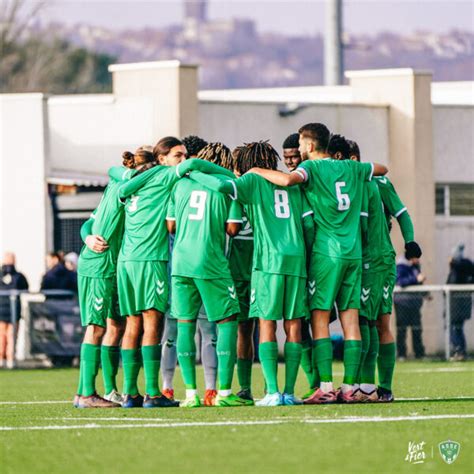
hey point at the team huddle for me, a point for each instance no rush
(191, 235)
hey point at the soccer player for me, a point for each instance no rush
(201, 276)
(142, 275)
(278, 284)
(334, 190)
(292, 158)
(381, 273)
(98, 301)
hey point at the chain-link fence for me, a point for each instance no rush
(428, 320)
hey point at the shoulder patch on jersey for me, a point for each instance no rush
(382, 179)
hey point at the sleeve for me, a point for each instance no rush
(215, 182)
(405, 277)
(364, 213)
(22, 282)
(406, 226)
(304, 170)
(86, 228)
(120, 173)
(366, 170)
(170, 214)
(246, 187)
(390, 198)
(235, 212)
(307, 210)
(133, 185)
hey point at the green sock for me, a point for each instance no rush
(268, 353)
(352, 350)
(386, 364)
(151, 366)
(81, 372)
(292, 353)
(186, 348)
(368, 369)
(90, 356)
(307, 361)
(131, 363)
(322, 353)
(226, 350)
(244, 373)
(365, 337)
(109, 358)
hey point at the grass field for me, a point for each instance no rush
(40, 431)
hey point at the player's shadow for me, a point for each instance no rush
(438, 400)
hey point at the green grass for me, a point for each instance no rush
(296, 441)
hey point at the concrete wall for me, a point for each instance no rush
(236, 122)
(25, 218)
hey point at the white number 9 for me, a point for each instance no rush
(198, 202)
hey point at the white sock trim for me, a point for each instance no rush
(191, 392)
(224, 393)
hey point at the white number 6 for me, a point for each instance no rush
(197, 201)
(344, 201)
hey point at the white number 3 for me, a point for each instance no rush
(343, 200)
(282, 210)
(133, 206)
(197, 201)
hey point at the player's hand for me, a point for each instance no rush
(96, 243)
(412, 250)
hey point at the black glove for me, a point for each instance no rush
(412, 250)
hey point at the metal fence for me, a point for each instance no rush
(436, 319)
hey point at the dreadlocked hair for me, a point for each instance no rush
(338, 148)
(218, 154)
(257, 154)
(193, 144)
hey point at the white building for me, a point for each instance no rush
(55, 151)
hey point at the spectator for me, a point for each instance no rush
(58, 277)
(70, 261)
(461, 272)
(10, 280)
(408, 307)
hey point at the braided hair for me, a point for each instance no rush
(218, 154)
(256, 154)
(193, 144)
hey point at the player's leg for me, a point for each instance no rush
(311, 373)
(169, 356)
(185, 307)
(220, 301)
(417, 335)
(3, 342)
(245, 346)
(10, 345)
(208, 357)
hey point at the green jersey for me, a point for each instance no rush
(334, 190)
(146, 202)
(108, 222)
(377, 249)
(241, 252)
(200, 244)
(276, 214)
(391, 201)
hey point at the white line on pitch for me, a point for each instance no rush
(240, 423)
(35, 402)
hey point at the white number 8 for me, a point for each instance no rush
(343, 200)
(198, 202)
(282, 210)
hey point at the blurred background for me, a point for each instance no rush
(80, 82)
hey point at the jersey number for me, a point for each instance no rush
(282, 209)
(133, 206)
(197, 201)
(343, 200)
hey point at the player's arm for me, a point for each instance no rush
(137, 182)
(379, 170)
(234, 220)
(214, 182)
(171, 215)
(120, 173)
(195, 164)
(364, 215)
(278, 177)
(95, 242)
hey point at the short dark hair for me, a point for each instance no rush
(194, 144)
(292, 141)
(217, 153)
(336, 144)
(256, 154)
(164, 146)
(318, 133)
(354, 149)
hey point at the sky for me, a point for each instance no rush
(290, 17)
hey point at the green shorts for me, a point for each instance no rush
(218, 296)
(371, 294)
(334, 280)
(142, 286)
(98, 300)
(274, 297)
(389, 280)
